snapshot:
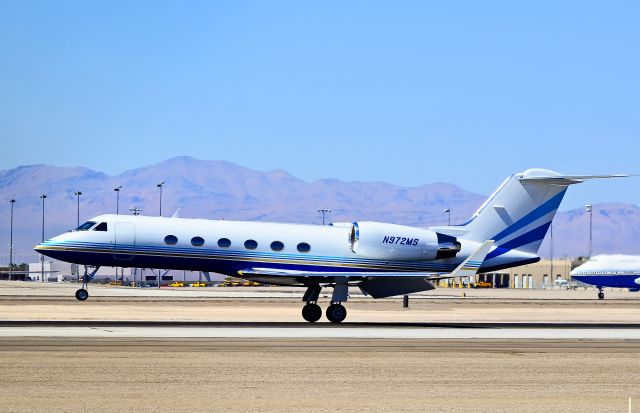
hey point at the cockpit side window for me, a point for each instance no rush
(101, 227)
(86, 226)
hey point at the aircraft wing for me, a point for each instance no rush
(467, 268)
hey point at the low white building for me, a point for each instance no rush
(57, 271)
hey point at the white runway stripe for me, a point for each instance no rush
(318, 333)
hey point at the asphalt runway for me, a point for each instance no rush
(371, 330)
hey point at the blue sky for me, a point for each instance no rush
(403, 92)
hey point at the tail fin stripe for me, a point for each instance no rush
(544, 209)
(534, 235)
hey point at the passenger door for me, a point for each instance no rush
(124, 245)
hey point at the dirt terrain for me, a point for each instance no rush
(132, 375)
(135, 374)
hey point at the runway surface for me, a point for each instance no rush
(126, 375)
(504, 331)
(132, 350)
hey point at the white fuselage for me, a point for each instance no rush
(199, 245)
(610, 271)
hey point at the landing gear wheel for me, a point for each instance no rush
(336, 313)
(311, 312)
(600, 295)
(82, 294)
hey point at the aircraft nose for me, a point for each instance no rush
(43, 248)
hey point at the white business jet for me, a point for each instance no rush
(382, 259)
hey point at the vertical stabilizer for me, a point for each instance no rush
(518, 214)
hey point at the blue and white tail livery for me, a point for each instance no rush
(381, 259)
(517, 216)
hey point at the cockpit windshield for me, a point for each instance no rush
(86, 226)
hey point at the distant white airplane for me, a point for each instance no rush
(618, 271)
(382, 259)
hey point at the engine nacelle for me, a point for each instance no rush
(402, 243)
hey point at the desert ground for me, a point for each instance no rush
(43, 372)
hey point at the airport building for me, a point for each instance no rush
(57, 271)
(542, 274)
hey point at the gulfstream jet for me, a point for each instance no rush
(382, 259)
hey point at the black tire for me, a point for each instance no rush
(82, 294)
(600, 295)
(336, 313)
(311, 312)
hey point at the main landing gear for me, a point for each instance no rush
(600, 294)
(311, 312)
(336, 313)
(82, 294)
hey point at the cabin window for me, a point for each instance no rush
(250, 244)
(224, 243)
(171, 240)
(277, 246)
(197, 241)
(101, 227)
(304, 247)
(86, 226)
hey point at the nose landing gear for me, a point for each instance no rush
(82, 294)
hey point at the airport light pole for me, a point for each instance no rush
(13, 201)
(589, 209)
(160, 185)
(77, 194)
(324, 211)
(43, 197)
(118, 199)
(117, 190)
(448, 212)
(551, 250)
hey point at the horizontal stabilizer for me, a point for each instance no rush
(567, 179)
(472, 264)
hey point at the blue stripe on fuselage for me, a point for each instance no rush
(618, 281)
(103, 254)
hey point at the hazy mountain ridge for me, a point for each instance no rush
(220, 189)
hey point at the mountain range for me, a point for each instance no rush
(219, 189)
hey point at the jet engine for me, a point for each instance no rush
(399, 242)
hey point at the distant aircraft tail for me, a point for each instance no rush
(518, 214)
